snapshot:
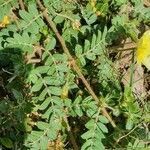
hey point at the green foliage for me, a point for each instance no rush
(43, 100)
(95, 133)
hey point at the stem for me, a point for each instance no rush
(72, 138)
(127, 133)
(75, 66)
(132, 70)
(21, 4)
(123, 47)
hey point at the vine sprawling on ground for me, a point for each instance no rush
(68, 77)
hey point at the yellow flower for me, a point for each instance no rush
(143, 50)
(76, 24)
(4, 22)
(65, 91)
(93, 3)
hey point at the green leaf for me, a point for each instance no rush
(52, 70)
(51, 44)
(129, 124)
(62, 67)
(58, 19)
(47, 114)
(23, 42)
(78, 50)
(60, 57)
(90, 124)
(87, 134)
(87, 144)
(4, 107)
(33, 77)
(32, 9)
(7, 142)
(91, 56)
(88, 99)
(37, 86)
(102, 127)
(104, 33)
(52, 134)
(86, 45)
(93, 43)
(82, 60)
(18, 95)
(77, 100)
(58, 101)
(45, 104)
(99, 134)
(42, 125)
(49, 61)
(98, 145)
(68, 103)
(42, 69)
(55, 90)
(92, 19)
(78, 111)
(44, 143)
(103, 119)
(52, 81)
(25, 15)
(99, 37)
(34, 136)
(42, 95)
(77, 106)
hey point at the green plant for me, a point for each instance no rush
(61, 87)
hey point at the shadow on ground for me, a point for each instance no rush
(15, 103)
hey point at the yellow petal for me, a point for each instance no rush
(143, 50)
(64, 93)
(5, 21)
(146, 62)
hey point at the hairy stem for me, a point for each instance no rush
(75, 66)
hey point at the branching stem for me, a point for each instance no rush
(74, 65)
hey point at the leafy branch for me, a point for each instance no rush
(73, 62)
(65, 67)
